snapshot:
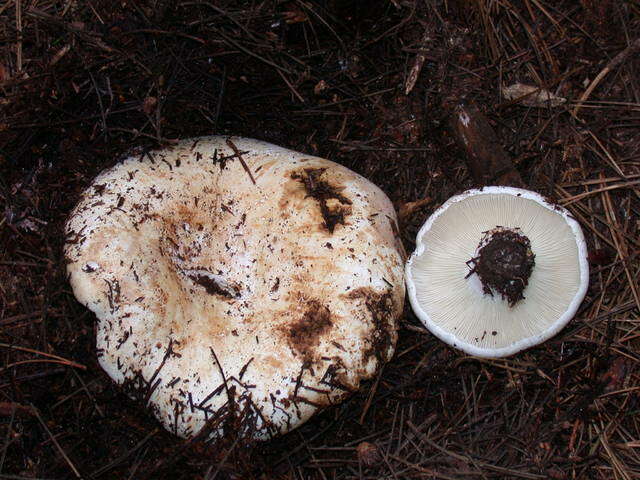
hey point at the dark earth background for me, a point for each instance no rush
(82, 82)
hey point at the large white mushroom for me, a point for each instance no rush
(497, 270)
(236, 282)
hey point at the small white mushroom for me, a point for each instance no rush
(497, 270)
(237, 281)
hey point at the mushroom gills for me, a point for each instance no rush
(497, 270)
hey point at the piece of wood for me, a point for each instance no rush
(487, 160)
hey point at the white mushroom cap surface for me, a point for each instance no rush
(232, 278)
(453, 305)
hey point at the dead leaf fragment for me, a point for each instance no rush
(414, 73)
(531, 96)
(418, 63)
(368, 454)
(149, 104)
(615, 376)
(320, 87)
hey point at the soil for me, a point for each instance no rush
(504, 264)
(370, 85)
(212, 287)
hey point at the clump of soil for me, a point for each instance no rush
(212, 287)
(504, 263)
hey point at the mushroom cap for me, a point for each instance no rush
(452, 304)
(234, 280)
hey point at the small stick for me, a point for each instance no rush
(61, 360)
(370, 397)
(239, 155)
(613, 63)
(55, 442)
(291, 87)
(19, 31)
(487, 160)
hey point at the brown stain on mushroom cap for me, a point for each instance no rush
(273, 362)
(334, 206)
(305, 333)
(382, 311)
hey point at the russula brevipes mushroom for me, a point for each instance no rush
(234, 280)
(497, 270)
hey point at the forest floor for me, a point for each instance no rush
(370, 85)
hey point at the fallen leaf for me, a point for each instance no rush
(531, 96)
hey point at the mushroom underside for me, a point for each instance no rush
(530, 284)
